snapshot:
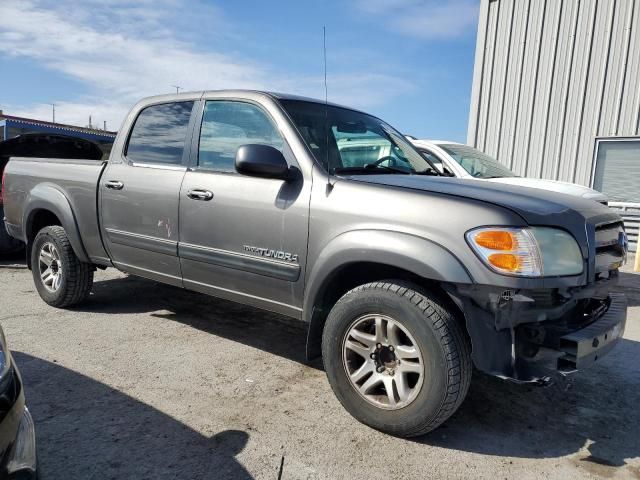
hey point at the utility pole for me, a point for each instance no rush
(177, 87)
(53, 111)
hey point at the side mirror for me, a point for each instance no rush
(261, 161)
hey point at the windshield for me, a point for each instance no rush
(346, 141)
(475, 162)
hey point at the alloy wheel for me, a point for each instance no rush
(50, 267)
(383, 361)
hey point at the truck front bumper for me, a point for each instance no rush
(530, 336)
(583, 347)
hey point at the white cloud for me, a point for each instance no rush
(431, 19)
(121, 52)
(360, 91)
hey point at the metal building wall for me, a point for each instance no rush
(552, 75)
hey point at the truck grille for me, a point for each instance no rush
(611, 246)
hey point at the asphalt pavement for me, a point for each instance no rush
(146, 381)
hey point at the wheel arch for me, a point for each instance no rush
(46, 206)
(365, 256)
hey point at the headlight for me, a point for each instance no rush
(5, 362)
(527, 252)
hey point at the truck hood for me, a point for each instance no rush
(535, 206)
(554, 186)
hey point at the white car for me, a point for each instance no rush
(463, 161)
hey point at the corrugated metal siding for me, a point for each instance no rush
(630, 213)
(550, 77)
(547, 44)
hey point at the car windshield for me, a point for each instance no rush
(349, 142)
(475, 162)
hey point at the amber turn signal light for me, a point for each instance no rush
(506, 261)
(496, 240)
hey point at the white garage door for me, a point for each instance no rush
(618, 170)
(618, 175)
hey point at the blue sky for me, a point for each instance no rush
(408, 61)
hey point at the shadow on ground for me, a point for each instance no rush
(86, 429)
(630, 285)
(12, 260)
(266, 331)
(596, 409)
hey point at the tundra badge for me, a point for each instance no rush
(271, 253)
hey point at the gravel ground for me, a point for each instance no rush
(147, 381)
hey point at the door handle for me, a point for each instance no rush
(197, 194)
(114, 185)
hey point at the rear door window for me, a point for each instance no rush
(159, 134)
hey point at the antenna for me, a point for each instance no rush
(177, 87)
(324, 50)
(326, 109)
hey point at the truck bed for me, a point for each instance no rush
(71, 180)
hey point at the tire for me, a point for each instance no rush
(428, 341)
(69, 280)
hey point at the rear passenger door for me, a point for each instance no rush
(140, 193)
(243, 238)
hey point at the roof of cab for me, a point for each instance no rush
(235, 92)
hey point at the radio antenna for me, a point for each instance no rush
(326, 109)
(324, 51)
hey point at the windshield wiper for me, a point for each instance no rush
(371, 170)
(431, 172)
(389, 168)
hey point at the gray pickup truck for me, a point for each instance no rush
(405, 278)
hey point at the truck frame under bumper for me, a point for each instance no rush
(583, 347)
(532, 336)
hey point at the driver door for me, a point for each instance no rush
(245, 238)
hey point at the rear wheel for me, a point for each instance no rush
(61, 279)
(396, 357)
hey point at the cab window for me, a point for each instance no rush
(159, 134)
(226, 126)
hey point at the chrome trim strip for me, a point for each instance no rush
(157, 166)
(149, 274)
(240, 261)
(144, 242)
(190, 284)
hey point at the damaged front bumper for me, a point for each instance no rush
(583, 347)
(532, 335)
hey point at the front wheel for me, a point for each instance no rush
(396, 357)
(61, 279)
